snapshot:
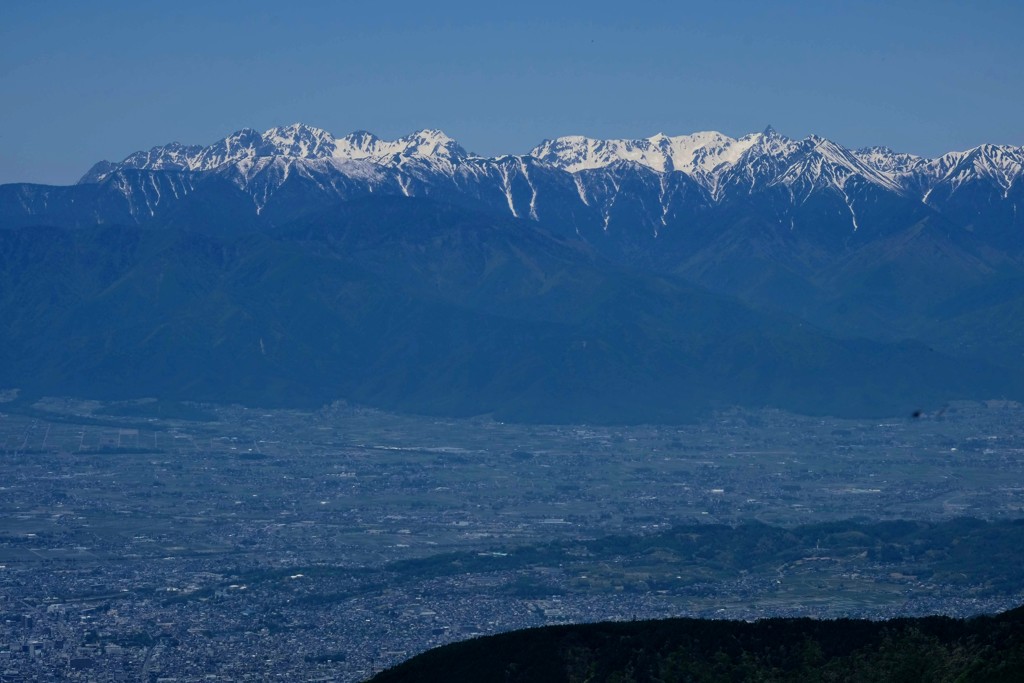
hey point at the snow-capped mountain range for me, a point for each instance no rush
(657, 267)
(709, 168)
(645, 188)
(706, 157)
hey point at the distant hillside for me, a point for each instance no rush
(420, 306)
(647, 280)
(931, 649)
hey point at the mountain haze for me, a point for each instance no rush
(646, 279)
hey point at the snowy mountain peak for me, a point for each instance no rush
(425, 144)
(887, 161)
(999, 162)
(696, 154)
(361, 137)
(1000, 165)
(359, 145)
(803, 166)
(300, 140)
(769, 141)
(171, 157)
(242, 139)
(576, 153)
(433, 143)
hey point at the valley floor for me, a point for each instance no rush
(169, 540)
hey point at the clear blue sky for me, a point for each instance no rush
(83, 81)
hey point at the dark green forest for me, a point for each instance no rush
(932, 649)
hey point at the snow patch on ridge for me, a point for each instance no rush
(698, 154)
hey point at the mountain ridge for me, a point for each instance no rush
(573, 181)
(799, 232)
(936, 648)
(660, 152)
(411, 305)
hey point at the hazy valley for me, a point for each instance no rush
(331, 402)
(337, 542)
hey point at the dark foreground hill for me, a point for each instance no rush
(931, 649)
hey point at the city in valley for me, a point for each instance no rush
(155, 540)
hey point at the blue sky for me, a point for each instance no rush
(83, 81)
